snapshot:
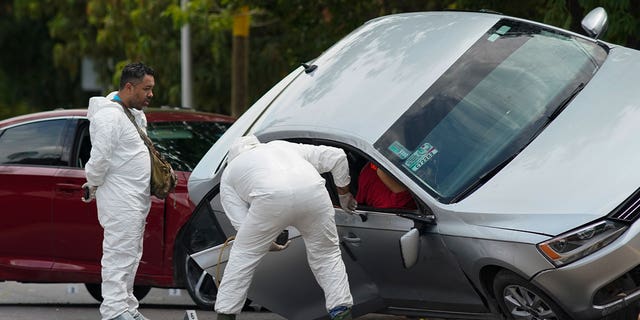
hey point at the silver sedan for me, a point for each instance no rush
(516, 140)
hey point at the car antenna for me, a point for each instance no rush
(309, 68)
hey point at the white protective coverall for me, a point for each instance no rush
(120, 167)
(268, 187)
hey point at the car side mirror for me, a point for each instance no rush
(410, 247)
(595, 22)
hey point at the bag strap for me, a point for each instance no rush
(143, 135)
(146, 139)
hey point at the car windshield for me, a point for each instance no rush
(488, 106)
(184, 143)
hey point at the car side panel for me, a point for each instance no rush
(26, 193)
(77, 235)
(32, 155)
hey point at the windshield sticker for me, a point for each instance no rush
(502, 30)
(399, 150)
(420, 157)
(493, 37)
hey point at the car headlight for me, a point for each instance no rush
(580, 243)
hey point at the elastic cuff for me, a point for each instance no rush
(337, 310)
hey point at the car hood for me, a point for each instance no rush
(580, 168)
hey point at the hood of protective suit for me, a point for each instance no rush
(99, 103)
(241, 145)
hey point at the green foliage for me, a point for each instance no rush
(46, 40)
(624, 17)
(28, 79)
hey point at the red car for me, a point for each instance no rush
(47, 234)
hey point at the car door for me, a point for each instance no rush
(31, 154)
(75, 223)
(435, 282)
(283, 282)
(77, 233)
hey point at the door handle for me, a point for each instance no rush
(351, 239)
(68, 188)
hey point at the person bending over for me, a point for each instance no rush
(267, 187)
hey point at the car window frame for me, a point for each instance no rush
(65, 141)
(82, 126)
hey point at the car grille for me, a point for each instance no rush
(629, 210)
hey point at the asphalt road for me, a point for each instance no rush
(19, 301)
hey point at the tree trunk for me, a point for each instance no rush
(240, 62)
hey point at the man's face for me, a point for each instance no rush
(141, 93)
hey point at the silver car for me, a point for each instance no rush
(517, 141)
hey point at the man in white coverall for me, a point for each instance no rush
(118, 175)
(268, 187)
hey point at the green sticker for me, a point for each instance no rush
(399, 150)
(503, 30)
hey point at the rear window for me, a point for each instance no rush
(488, 106)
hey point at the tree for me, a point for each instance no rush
(28, 79)
(116, 32)
(284, 34)
(624, 18)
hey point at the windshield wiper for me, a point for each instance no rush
(566, 101)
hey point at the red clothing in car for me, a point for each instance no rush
(374, 193)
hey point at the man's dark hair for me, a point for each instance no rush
(134, 73)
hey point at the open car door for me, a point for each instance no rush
(283, 282)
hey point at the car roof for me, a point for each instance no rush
(152, 114)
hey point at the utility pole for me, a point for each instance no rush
(185, 60)
(240, 62)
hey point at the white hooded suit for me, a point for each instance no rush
(268, 187)
(120, 167)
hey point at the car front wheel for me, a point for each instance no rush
(95, 290)
(519, 299)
